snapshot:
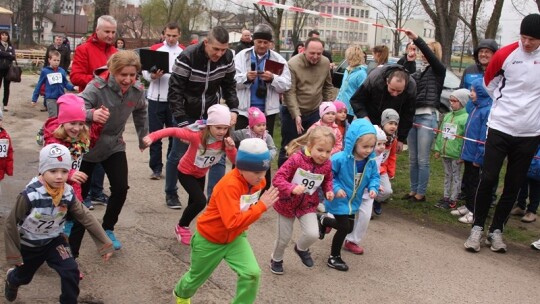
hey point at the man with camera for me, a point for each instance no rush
(159, 113)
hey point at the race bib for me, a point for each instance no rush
(385, 155)
(249, 199)
(209, 158)
(38, 222)
(76, 164)
(54, 78)
(357, 179)
(4, 146)
(449, 131)
(311, 181)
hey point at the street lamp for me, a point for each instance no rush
(74, 21)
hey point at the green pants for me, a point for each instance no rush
(206, 256)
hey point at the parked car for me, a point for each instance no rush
(451, 81)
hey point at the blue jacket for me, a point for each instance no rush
(55, 90)
(476, 125)
(344, 170)
(350, 83)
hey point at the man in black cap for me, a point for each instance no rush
(511, 79)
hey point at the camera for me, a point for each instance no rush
(260, 72)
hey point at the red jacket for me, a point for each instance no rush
(6, 162)
(388, 164)
(89, 56)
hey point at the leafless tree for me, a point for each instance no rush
(299, 19)
(445, 15)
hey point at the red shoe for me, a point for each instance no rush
(352, 247)
(328, 230)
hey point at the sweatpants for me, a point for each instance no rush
(361, 221)
(310, 233)
(387, 192)
(452, 178)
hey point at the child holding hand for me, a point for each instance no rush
(298, 181)
(208, 140)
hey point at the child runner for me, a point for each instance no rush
(327, 112)
(341, 118)
(354, 170)
(361, 221)
(472, 152)
(221, 229)
(389, 124)
(33, 233)
(55, 80)
(6, 151)
(449, 147)
(298, 181)
(531, 189)
(257, 129)
(207, 142)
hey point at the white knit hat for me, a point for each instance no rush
(54, 156)
(381, 136)
(218, 115)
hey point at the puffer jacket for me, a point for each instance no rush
(344, 171)
(451, 147)
(476, 126)
(197, 83)
(429, 81)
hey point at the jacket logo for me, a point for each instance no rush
(517, 62)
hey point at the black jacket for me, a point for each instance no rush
(430, 81)
(7, 55)
(197, 83)
(65, 55)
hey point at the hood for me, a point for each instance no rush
(357, 128)
(485, 44)
(104, 77)
(482, 96)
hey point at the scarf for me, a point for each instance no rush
(55, 193)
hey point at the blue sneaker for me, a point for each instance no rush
(377, 208)
(87, 202)
(67, 227)
(116, 243)
(100, 199)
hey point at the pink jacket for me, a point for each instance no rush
(290, 205)
(337, 133)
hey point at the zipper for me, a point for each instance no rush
(203, 99)
(355, 189)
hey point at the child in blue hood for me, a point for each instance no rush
(354, 170)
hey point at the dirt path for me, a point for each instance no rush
(404, 261)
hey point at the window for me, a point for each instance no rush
(361, 13)
(367, 13)
(352, 12)
(347, 11)
(341, 11)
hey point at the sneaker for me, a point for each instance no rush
(67, 227)
(305, 256)
(460, 211)
(87, 202)
(442, 204)
(181, 300)
(337, 263)
(321, 208)
(322, 228)
(517, 211)
(353, 247)
(173, 202)
(529, 217)
(10, 291)
(101, 199)
(496, 241)
(452, 204)
(116, 243)
(155, 176)
(536, 245)
(473, 242)
(467, 218)
(183, 234)
(377, 208)
(276, 267)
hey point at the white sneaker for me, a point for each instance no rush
(460, 211)
(321, 208)
(467, 218)
(496, 241)
(536, 245)
(473, 242)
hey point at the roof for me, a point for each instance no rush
(5, 11)
(64, 23)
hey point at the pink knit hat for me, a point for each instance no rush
(325, 107)
(255, 117)
(70, 108)
(340, 105)
(218, 115)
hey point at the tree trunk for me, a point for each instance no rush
(26, 20)
(102, 8)
(493, 24)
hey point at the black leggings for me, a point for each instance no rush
(344, 225)
(5, 80)
(196, 201)
(116, 168)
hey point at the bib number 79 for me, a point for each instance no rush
(209, 159)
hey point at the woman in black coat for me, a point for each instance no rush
(7, 55)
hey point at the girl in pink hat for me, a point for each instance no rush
(327, 112)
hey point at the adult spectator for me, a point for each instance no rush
(299, 49)
(408, 61)
(311, 84)
(354, 76)
(482, 56)
(7, 55)
(380, 57)
(201, 76)
(194, 39)
(245, 41)
(511, 79)
(256, 86)
(120, 44)
(65, 53)
(429, 85)
(327, 54)
(159, 112)
(389, 87)
(89, 56)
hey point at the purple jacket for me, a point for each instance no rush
(290, 205)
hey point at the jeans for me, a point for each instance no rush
(159, 115)
(178, 149)
(419, 143)
(288, 129)
(531, 189)
(519, 152)
(96, 181)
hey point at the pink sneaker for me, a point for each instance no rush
(352, 247)
(183, 234)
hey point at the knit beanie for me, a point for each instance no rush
(381, 136)
(530, 26)
(255, 117)
(218, 115)
(462, 95)
(389, 115)
(325, 107)
(340, 105)
(70, 108)
(54, 156)
(253, 155)
(263, 31)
